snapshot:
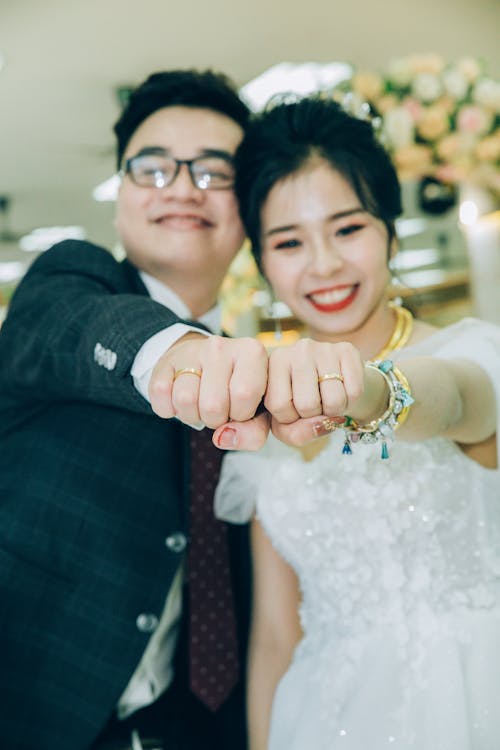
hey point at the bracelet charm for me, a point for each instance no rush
(383, 428)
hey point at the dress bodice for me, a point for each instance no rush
(374, 541)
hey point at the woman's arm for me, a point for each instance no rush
(274, 632)
(452, 398)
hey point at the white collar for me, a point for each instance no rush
(167, 297)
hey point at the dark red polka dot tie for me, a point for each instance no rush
(213, 647)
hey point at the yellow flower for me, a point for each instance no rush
(452, 145)
(367, 85)
(433, 123)
(488, 149)
(430, 63)
(413, 160)
(447, 103)
(386, 103)
(464, 163)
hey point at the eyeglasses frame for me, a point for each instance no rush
(127, 168)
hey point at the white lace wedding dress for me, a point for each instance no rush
(399, 568)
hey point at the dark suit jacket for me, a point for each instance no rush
(92, 484)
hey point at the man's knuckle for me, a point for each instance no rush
(185, 399)
(244, 392)
(213, 407)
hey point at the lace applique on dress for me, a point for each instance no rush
(386, 565)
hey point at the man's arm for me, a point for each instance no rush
(74, 328)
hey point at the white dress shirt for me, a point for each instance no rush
(151, 351)
(155, 670)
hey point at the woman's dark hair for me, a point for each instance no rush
(185, 88)
(283, 139)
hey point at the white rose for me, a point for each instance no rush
(487, 93)
(427, 87)
(399, 72)
(399, 127)
(469, 67)
(455, 83)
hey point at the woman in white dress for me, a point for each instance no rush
(376, 618)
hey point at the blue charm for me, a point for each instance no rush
(386, 366)
(385, 450)
(406, 398)
(347, 450)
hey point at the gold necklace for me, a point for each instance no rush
(401, 333)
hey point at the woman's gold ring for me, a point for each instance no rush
(330, 376)
(187, 371)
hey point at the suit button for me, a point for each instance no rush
(146, 622)
(176, 542)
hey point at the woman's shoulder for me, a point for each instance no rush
(465, 335)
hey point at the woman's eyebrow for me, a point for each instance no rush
(332, 217)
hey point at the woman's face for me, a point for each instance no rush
(323, 254)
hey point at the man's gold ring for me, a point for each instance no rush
(330, 376)
(187, 371)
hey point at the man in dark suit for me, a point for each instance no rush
(96, 357)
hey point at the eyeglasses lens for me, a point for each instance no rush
(207, 172)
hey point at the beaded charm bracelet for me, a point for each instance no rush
(400, 400)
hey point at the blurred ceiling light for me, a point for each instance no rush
(292, 78)
(12, 271)
(107, 190)
(41, 239)
(468, 213)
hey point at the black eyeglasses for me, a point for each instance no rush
(211, 171)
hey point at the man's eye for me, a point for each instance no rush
(151, 170)
(349, 229)
(287, 244)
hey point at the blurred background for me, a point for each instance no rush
(430, 72)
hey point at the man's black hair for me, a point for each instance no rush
(186, 88)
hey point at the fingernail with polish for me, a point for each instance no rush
(228, 438)
(330, 424)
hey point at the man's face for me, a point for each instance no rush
(180, 233)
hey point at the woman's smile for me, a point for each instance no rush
(333, 299)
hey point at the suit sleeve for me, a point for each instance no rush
(74, 327)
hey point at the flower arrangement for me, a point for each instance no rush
(436, 119)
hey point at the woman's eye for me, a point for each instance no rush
(286, 244)
(349, 229)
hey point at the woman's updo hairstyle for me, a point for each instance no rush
(283, 138)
